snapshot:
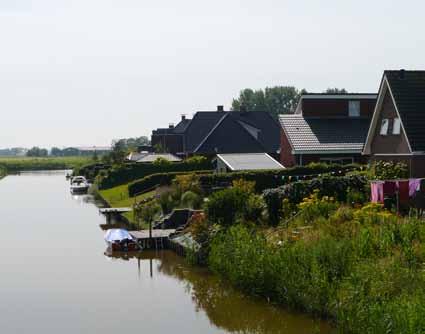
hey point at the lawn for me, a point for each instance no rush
(118, 197)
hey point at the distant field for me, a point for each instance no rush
(16, 164)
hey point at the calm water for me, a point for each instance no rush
(55, 278)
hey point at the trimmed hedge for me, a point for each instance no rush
(150, 181)
(335, 186)
(273, 178)
(134, 171)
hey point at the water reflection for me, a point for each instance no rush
(225, 307)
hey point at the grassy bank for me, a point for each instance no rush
(363, 268)
(118, 197)
(17, 164)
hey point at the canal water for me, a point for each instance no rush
(55, 277)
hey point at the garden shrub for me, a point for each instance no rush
(223, 207)
(274, 178)
(332, 186)
(191, 200)
(132, 171)
(388, 170)
(148, 182)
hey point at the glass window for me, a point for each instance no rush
(354, 108)
(384, 127)
(396, 126)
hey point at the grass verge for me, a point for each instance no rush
(118, 197)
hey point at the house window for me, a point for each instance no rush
(384, 127)
(396, 126)
(354, 108)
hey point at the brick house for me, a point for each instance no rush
(326, 127)
(397, 129)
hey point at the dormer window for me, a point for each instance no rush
(396, 126)
(354, 108)
(384, 127)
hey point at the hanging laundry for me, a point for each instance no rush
(414, 186)
(403, 191)
(389, 188)
(377, 192)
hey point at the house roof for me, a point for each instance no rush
(229, 136)
(249, 161)
(408, 91)
(259, 125)
(151, 157)
(330, 135)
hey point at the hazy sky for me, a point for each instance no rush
(82, 72)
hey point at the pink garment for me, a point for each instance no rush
(414, 185)
(377, 192)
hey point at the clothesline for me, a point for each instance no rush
(402, 188)
(305, 176)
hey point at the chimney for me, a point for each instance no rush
(183, 117)
(220, 108)
(171, 126)
(401, 74)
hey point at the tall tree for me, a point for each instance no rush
(37, 152)
(274, 100)
(336, 91)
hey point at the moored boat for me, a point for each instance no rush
(79, 185)
(119, 240)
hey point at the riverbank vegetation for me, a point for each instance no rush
(330, 253)
(17, 164)
(2, 172)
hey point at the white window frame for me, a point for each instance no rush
(385, 123)
(354, 108)
(396, 126)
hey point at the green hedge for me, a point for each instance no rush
(142, 185)
(274, 178)
(2, 172)
(133, 171)
(335, 186)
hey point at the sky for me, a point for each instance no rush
(83, 72)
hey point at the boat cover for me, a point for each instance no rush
(117, 234)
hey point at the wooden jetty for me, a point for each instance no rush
(158, 241)
(113, 212)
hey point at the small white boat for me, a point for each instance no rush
(79, 185)
(120, 240)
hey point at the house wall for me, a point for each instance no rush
(335, 108)
(394, 144)
(286, 158)
(305, 159)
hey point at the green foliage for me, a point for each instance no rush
(191, 200)
(274, 100)
(332, 186)
(388, 170)
(167, 202)
(15, 164)
(361, 267)
(161, 162)
(129, 172)
(336, 91)
(239, 202)
(154, 180)
(274, 178)
(146, 212)
(223, 207)
(3, 172)
(37, 152)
